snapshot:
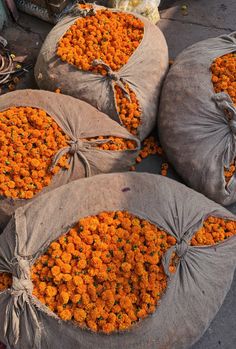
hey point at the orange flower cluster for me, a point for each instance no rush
(224, 75)
(5, 281)
(105, 273)
(224, 80)
(114, 143)
(150, 147)
(111, 37)
(213, 231)
(128, 110)
(229, 172)
(29, 138)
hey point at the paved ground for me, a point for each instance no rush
(199, 20)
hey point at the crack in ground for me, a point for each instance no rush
(199, 24)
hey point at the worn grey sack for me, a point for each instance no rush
(194, 294)
(78, 120)
(144, 73)
(197, 127)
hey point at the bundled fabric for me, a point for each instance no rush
(197, 126)
(194, 294)
(80, 122)
(143, 73)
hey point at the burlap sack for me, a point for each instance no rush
(144, 73)
(78, 120)
(195, 131)
(194, 294)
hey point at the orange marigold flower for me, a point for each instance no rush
(79, 315)
(66, 315)
(121, 278)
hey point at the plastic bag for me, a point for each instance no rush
(148, 8)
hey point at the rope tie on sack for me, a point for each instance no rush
(180, 249)
(114, 76)
(74, 147)
(21, 282)
(19, 303)
(225, 103)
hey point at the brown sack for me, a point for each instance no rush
(194, 293)
(78, 120)
(144, 74)
(197, 126)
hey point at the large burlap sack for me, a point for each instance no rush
(78, 120)
(144, 73)
(194, 126)
(194, 294)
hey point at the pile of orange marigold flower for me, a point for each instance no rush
(29, 138)
(214, 230)
(111, 37)
(224, 80)
(106, 273)
(114, 143)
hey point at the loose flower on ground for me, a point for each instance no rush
(151, 147)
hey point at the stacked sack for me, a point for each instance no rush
(115, 259)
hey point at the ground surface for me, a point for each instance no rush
(201, 20)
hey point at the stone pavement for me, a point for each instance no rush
(183, 23)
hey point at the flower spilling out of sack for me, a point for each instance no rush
(114, 143)
(29, 138)
(106, 273)
(151, 147)
(224, 80)
(214, 230)
(111, 37)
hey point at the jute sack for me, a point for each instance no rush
(143, 73)
(194, 294)
(79, 121)
(197, 127)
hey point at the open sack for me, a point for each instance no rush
(81, 123)
(196, 125)
(139, 80)
(195, 291)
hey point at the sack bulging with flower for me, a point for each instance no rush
(197, 121)
(115, 260)
(114, 60)
(48, 139)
